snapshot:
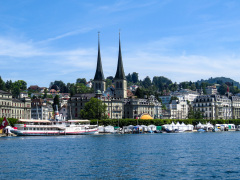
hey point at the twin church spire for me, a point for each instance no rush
(99, 72)
(119, 80)
(120, 71)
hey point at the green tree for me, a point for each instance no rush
(147, 82)
(139, 93)
(16, 91)
(94, 109)
(129, 77)
(2, 84)
(81, 80)
(164, 107)
(56, 102)
(134, 77)
(108, 83)
(45, 93)
(173, 98)
(222, 89)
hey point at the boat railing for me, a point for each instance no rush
(42, 126)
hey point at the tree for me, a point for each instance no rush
(81, 80)
(129, 77)
(2, 84)
(56, 102)
(108, 83)
(21, 84)
(164, 107)
(147, 82)
(94, 109)
(134, 77)
(173, 98)
(16, 91)
(110, 77)
(45, 94)
(9, 85)
(222, 89)
(139, 93)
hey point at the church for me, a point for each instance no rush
(118, 104)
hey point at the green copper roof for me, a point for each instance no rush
(99, 72)
(120, 71)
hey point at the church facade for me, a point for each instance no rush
(118, 104)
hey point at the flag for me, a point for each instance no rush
(4, 123)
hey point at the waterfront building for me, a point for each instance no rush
(213, 106)
(178, 109)
(135, 107)
(235, 107)
(77, 102)
(14, 108)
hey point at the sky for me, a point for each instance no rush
(42, 41)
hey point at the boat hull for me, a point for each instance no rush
(32, 133)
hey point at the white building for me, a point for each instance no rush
(178, 109)
(211, 90)
(214, 106)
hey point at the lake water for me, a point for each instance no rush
(132, 156)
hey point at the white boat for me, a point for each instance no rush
(27, 127)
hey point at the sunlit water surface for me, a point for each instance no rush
(142, 156)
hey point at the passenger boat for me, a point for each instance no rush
(30, 127)
(27, 127)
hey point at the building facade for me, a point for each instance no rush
(14, 108)
(213, 106)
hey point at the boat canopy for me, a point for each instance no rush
(34, 121)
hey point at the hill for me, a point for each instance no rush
(220, 80)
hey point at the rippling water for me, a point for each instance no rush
(137, 156)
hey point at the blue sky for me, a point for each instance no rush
(43, 41)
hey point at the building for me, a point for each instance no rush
(214, 106)
(235, 107)
(77, 102)
(39, 110)
(187, 94)
(115, 97)
(211, 90)
(165, 99)
(14, 108)
(178, 109)
(64, 112)
(135, 107)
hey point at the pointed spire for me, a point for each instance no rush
(99, 72)
(120, 71)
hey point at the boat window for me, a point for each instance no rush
(33, 128)
(25, 128)
(41, 128)
(37, 128)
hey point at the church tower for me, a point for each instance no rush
(120, 81)
(99, 81)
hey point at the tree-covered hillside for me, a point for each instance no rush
(220, 80)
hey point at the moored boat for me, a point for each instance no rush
(27, 127)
